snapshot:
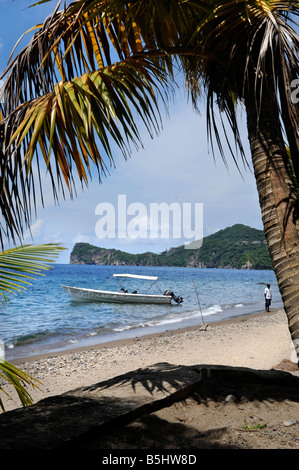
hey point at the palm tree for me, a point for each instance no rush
(94, 61)
(256, 62)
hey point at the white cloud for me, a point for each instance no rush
(35, 232)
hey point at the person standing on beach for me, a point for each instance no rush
(268, 297)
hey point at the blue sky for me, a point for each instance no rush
(177, 166)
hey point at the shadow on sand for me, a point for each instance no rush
(162, 406)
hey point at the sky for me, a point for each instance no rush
(177, 167)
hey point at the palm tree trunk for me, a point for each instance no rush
(278, 199)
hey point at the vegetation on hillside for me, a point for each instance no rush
(238, 246)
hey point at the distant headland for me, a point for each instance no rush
(239, 247)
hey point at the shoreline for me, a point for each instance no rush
(256, 341)
(129, 340)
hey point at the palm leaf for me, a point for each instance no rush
(67, 126)
(250, 37)
(19, 380)
(20, 265)
(76, 124)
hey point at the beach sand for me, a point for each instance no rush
(259, 341)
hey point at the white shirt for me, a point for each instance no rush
(268, 293)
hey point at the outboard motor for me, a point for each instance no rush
(177, 298)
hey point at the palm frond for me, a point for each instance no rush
(257, 45)
(73, 127)
(84, 37)
(66, 104)
(90, 35)
(20, 265)
(19, 380)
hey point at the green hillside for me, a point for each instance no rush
(239, 246)
(236, 246)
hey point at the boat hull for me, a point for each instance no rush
(88, 295)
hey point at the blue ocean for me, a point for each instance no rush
(44, 319)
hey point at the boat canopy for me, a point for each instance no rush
(137, 276)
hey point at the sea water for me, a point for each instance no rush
(44, 319)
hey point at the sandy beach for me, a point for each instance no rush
(257, 341)
(246, 415)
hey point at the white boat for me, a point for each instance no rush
(123, 296)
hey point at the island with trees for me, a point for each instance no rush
(236, 247)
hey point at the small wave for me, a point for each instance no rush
(30, 338)
(129, 327)
(213, 310)
(170, 319)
